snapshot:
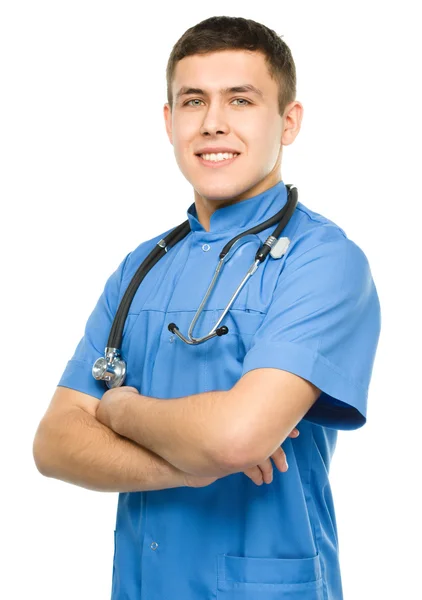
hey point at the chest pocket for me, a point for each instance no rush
(250, 307)
(247, 578)
(243, 324)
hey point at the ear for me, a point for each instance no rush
(292, 122)
(167, 120)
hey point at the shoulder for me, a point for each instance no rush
(318, 240)
(135, 258)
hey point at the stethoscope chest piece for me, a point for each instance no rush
(280, 247)
(110, 368)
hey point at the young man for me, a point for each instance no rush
(177, 439)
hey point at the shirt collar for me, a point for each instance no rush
(244, 214)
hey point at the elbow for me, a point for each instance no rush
(40, 451)
(238, 440)
(234, 454)
(38, 459)
(233, 446)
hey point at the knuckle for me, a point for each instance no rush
(278, 453)
(266, 466)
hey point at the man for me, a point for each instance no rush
(177, 439)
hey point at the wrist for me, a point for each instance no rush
(120, 410)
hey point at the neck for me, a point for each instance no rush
(206, 206)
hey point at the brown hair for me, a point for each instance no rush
(237, 33)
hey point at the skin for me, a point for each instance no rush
(109, 409)
(256, 130)
(248, 123)
(244, 121)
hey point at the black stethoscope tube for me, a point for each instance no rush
(171, 239)
(175, 236)
(283, 216)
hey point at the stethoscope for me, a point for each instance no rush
(111, 368)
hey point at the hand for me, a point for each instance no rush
(109, 402)
(259, 474)
(264, 471)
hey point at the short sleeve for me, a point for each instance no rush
(78, 372)
(323, 324)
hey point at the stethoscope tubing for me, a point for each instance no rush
(171, 239)
(112, 368)
(175, 236)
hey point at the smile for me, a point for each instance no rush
(216, 164)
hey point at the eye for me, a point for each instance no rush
(243, 100)
(195, 99)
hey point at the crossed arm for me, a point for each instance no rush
(205, 433)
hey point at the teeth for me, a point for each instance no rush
(219, 156)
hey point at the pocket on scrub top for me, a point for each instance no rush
(243, 324)
(244, 321)
(247, 578)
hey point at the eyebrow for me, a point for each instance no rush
(247, 87)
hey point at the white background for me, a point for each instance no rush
(88, 173)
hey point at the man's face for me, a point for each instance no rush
(246, 122)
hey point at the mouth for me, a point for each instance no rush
(216, 164)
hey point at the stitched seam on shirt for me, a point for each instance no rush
(296, 257)
(336, 369)
(205, 382)
(318, 356)
(193, 310)
(165, 312)
(356, 384)
(322, 221)
(78, 360)
(120, 295)
(316, 527)
(191, 237)
(317, 352)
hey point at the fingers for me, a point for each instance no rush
(280, 460)
(263, 473)
(266, 470)
(294, 433)
(255, 474)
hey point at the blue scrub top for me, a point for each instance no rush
(314, 312)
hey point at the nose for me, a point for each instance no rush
(214, 121)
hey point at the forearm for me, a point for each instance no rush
(188, 432)
(86, 453)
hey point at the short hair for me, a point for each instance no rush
(236, 33)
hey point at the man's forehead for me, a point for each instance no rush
(221, 59)
(192, 76)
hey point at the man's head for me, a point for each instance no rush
(214, 55)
